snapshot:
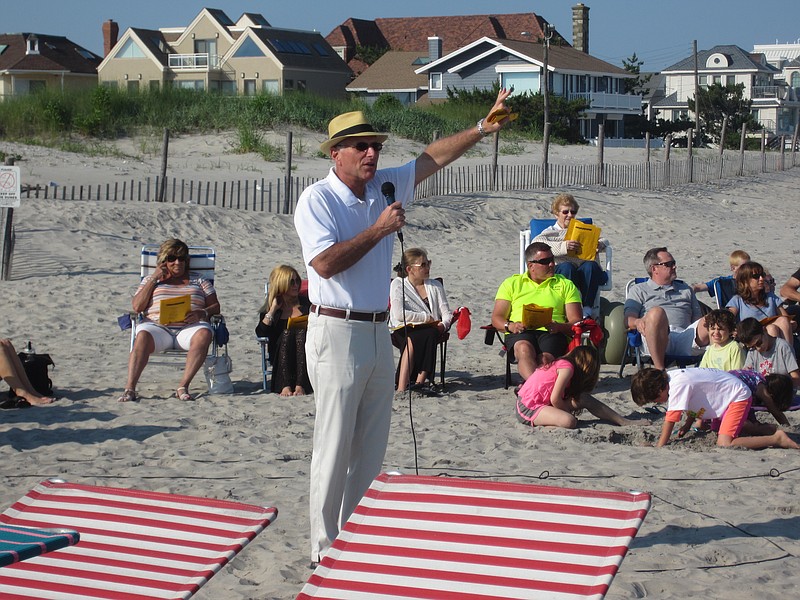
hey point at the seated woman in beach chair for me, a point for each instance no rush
(187, 300)
(282, 320)
(419, 316)
(753, 299)
(587, 275)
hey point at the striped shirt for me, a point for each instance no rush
(198, 289)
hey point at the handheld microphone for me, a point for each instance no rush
(387, 189)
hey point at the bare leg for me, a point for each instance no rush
(143, 347)
(198, 350)
(605, 412)
(406, 360)
(782, 328)
(550, 416)
(656, 332)
(779, 439)
(12, 371)
(525, 354)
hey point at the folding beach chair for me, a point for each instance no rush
(433, 537)
(634, 353)
(134, 545)
(724, 290)
(202, 260)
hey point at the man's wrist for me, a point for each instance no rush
(481, 130)
(505, 326)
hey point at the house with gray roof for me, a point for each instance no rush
(215, 53)
(774, 104)
(34, 61)
(571, 73)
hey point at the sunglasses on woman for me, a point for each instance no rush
(174, 257)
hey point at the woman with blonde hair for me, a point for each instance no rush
(419, 315)
(283, 320)
(587, 275)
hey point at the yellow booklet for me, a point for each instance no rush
(174, 310)
(300, 322)
(585, 233)
(535, 316)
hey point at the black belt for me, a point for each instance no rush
(351, 315)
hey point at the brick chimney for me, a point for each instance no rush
(434, 48)
(580, 27)
(110, 36)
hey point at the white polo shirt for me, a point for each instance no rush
(328, 212)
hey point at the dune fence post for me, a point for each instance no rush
(648, 174)
(741, 148)
(763, 150)
(722, 144)
(7, 248)
(782, 160)
(495, 152)
(601, 140)
(690, 156)
(288, 184)
(545, 156)
(794, 143)
(162, 190)
(667, 150)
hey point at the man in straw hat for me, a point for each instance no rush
(346, 223)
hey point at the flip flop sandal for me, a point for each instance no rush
(182, 394)
(128, 396)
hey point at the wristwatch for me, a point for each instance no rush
(507, 323)
(481, 130)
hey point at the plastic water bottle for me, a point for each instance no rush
(29, 351)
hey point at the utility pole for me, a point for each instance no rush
(548, 34)
(696, 92)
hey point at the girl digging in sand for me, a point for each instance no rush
(554, 394)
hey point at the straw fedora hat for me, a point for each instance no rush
(351, 124)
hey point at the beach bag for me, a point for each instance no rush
(37, 369)
(217, 370)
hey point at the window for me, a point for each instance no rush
(133, 86)
(248, 49)
(718, 79)
(190, 84)
(288, 84)
(130, 49)
(300, 86)
(321, 50)
(84, 53)
(3, 48)
(435, 81)
(796, 79)
(271, 86)
(702, 80)
(226, 87)
(730, 80)
(112, 85)
(36, 85)
(249, 87)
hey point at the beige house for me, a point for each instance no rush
(214, 53)
(31, 61)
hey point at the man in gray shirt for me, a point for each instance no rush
(665, 311)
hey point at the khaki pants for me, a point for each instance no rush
(351, 368)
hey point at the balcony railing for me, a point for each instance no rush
(609, 102)
(203, 61)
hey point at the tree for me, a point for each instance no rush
(634, 66)
(718, 101)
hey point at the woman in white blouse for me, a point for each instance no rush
(418, 316)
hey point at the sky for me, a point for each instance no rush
(660, 33)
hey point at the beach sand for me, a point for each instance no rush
(720, 525)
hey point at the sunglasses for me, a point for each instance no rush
(424, 263)
(363, 146)
(173, 258)
(757, 275)
(294, 281)
(543, 261)
(569, 211)
(667, 263)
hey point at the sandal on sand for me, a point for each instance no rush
(183, 394)
(128, 396)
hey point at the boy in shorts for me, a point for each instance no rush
(704, 394)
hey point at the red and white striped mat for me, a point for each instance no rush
(439, 538)
(135, 545)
